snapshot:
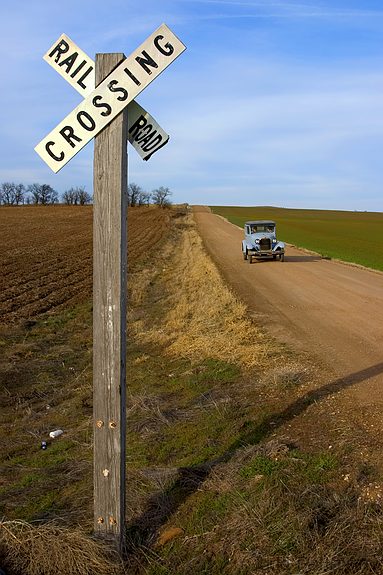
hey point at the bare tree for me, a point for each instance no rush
(19, 194)
(43, 194)
(76, 196)
(34, 191)
(47, 195)
(83, 196)
(8, 191)
(134, 192)
(68, 197)
(54, 197)
(144, 198)
(160, 197)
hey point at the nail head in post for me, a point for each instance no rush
(100, 520)
(112, 424)
(99, 423)
(112, 521)
(105, 472)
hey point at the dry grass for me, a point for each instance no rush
(203, 317)
(51, 550)
(145, 410)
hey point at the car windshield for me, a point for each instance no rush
(262, 228)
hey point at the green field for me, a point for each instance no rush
(349, 236)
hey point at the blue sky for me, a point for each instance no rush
(273, 103)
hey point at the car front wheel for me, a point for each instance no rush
(245, 254)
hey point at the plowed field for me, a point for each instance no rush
(46, 255)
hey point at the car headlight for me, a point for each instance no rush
(257, 241)
(274, 241)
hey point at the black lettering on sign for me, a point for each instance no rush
(61, 48)
(80, 80)
(69, 61)
(152, 150)
(145, 135)
(78, 69)
(90, 126)
(152, 144)
(146, 62)
(138, 124)
(68, 134)
(166, 50)
(112, 88)
(132, 76)
(147, 140)
(98, 104)
(48, 147)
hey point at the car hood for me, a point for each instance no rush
(260, 235)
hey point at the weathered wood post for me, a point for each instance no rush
(109, 317)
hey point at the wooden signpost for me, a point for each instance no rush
(109, 87)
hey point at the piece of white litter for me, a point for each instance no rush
(56, 433)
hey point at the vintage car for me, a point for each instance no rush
(261, 241)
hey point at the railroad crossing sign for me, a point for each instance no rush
(103, 114)
(112, 95)
(144, 133)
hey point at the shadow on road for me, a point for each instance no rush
(303, 259)
(161, 507)
(296, 259)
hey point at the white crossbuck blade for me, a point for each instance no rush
(113, 94)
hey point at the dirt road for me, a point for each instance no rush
(330, 310)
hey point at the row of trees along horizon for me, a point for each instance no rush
(12, 194)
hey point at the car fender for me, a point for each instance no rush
(279, 246)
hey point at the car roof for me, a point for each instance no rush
(270, 222)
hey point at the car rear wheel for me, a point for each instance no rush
(245, 254)
(250, 259)
(282, 258)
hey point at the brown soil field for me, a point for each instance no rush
(46, 261)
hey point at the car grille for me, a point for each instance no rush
(265, 244)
